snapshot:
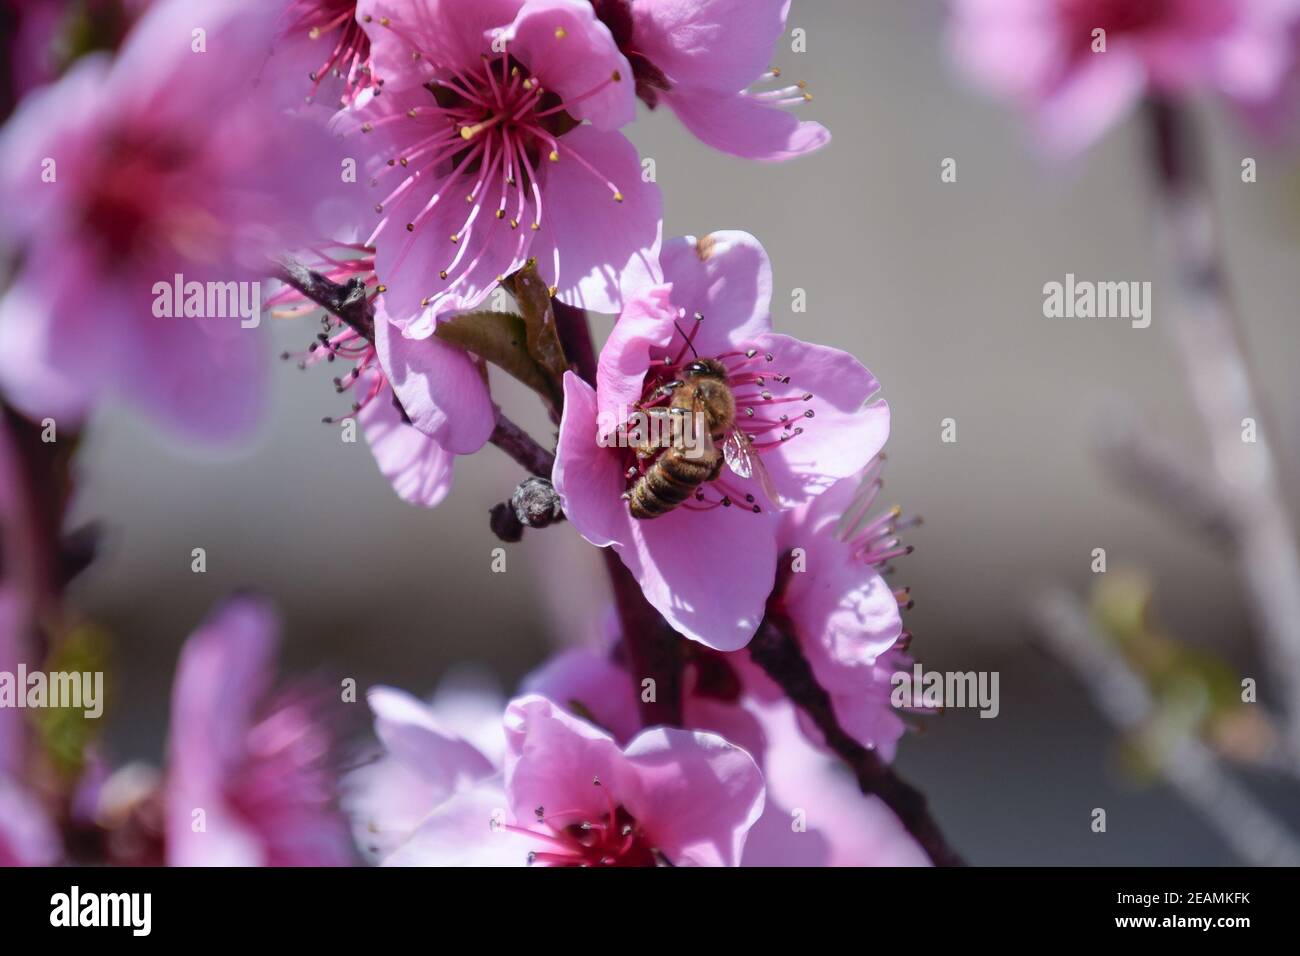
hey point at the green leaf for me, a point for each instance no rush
(502, 339)
(534, 300)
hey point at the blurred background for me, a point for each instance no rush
(937, 287)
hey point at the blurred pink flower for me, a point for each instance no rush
(570, 796)
(708, 566)
(430, 751)
(122, 176)
(495, 141)
(256, 765)
(702, 58)
(814, 816)
(1040, 54)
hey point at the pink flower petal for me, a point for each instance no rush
(439, 385)
(646, 322)
(452, 34)
(844, 432)
(419, 469)
(738, 124)
(726, 277)
(586, 475)
(701, 795)
(410, 732)
(722, 45)
(573, 53)
(460, 833)
(708, 572)
(597, 251)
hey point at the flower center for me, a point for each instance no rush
(484, 135)
(140, 203)
(1117, 17)
(583, 838)
(765, 411)
(283, 788)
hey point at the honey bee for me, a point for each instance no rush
(697, 434)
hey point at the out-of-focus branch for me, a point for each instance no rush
(779, 655)
(1209, 345)
(1188, 766)
(1159, 472)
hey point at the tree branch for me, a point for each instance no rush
(1155, 470)
(1189, 766)
(1208, 341)
(780, 656)
(522, 447)
(654, 649)
(349, 302)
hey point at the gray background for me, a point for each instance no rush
(938, 289)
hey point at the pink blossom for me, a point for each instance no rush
(443, 409)
(256, 764)
(729, 695)
(1040, 54)
(703, 59)
(429, 752)
(709, 565)
(832, 599)
(123, 175)
(569, 795)
(494, 140)
(324, 42)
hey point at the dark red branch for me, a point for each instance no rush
(522, 447)
(654, 649)
(781, 658)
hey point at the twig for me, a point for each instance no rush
(1157, 471)
(780, 656)
(575, 339)
(654, 649)
(522, 447)
(1219, 377)
(33, 559)
(1189, 766)
(349, 302)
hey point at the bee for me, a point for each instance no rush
(697, 435)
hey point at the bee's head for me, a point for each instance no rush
(705, 368)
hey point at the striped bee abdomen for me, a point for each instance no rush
(670, 480)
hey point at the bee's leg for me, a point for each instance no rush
(663, 391)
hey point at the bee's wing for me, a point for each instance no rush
(745, 462)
